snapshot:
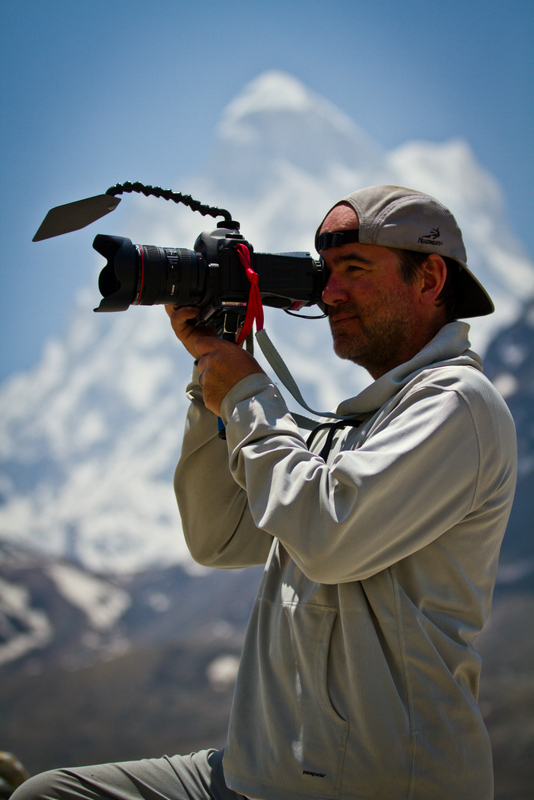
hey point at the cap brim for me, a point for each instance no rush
(473, 300)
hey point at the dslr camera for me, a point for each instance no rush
(210, 277)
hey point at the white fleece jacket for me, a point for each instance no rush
(359, 677)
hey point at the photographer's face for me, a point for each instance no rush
(372, 311)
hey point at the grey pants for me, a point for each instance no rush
(199, 776)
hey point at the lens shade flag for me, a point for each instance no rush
(73, 216)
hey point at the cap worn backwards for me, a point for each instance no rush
(393, 216)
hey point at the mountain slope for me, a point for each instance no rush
(90, 436)
(145, 665)
(510, 366)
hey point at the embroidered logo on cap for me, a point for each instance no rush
(431, 238)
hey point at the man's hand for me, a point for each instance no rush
(185, 328)
(221, 364)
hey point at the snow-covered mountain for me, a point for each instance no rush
(142, 660)
(121, 667)
(90, 436)
(509, 364)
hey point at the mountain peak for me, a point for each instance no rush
(271, 91)
(275, 93)
(277, 123)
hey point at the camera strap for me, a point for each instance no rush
(279, 366)
(254, 305)
(255, 314)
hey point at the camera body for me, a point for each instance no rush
(210, 277)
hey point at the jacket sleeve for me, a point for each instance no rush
(414, 477)
(217, 524)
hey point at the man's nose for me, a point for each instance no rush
(334, 292)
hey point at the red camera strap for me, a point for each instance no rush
(254, 306)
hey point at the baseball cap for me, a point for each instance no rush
(393, 216)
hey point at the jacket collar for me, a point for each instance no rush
(450, 346)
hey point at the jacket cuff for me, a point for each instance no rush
(243, 390)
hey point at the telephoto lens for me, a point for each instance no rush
(148, 275)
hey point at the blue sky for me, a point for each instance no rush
(95, 92)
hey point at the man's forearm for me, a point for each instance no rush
(216, 520)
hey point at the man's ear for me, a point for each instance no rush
(432, 279)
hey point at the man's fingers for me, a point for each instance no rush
(183, 321)
(207, 344)
(221, 365)
(183, 314)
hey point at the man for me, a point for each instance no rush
(358, 677)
